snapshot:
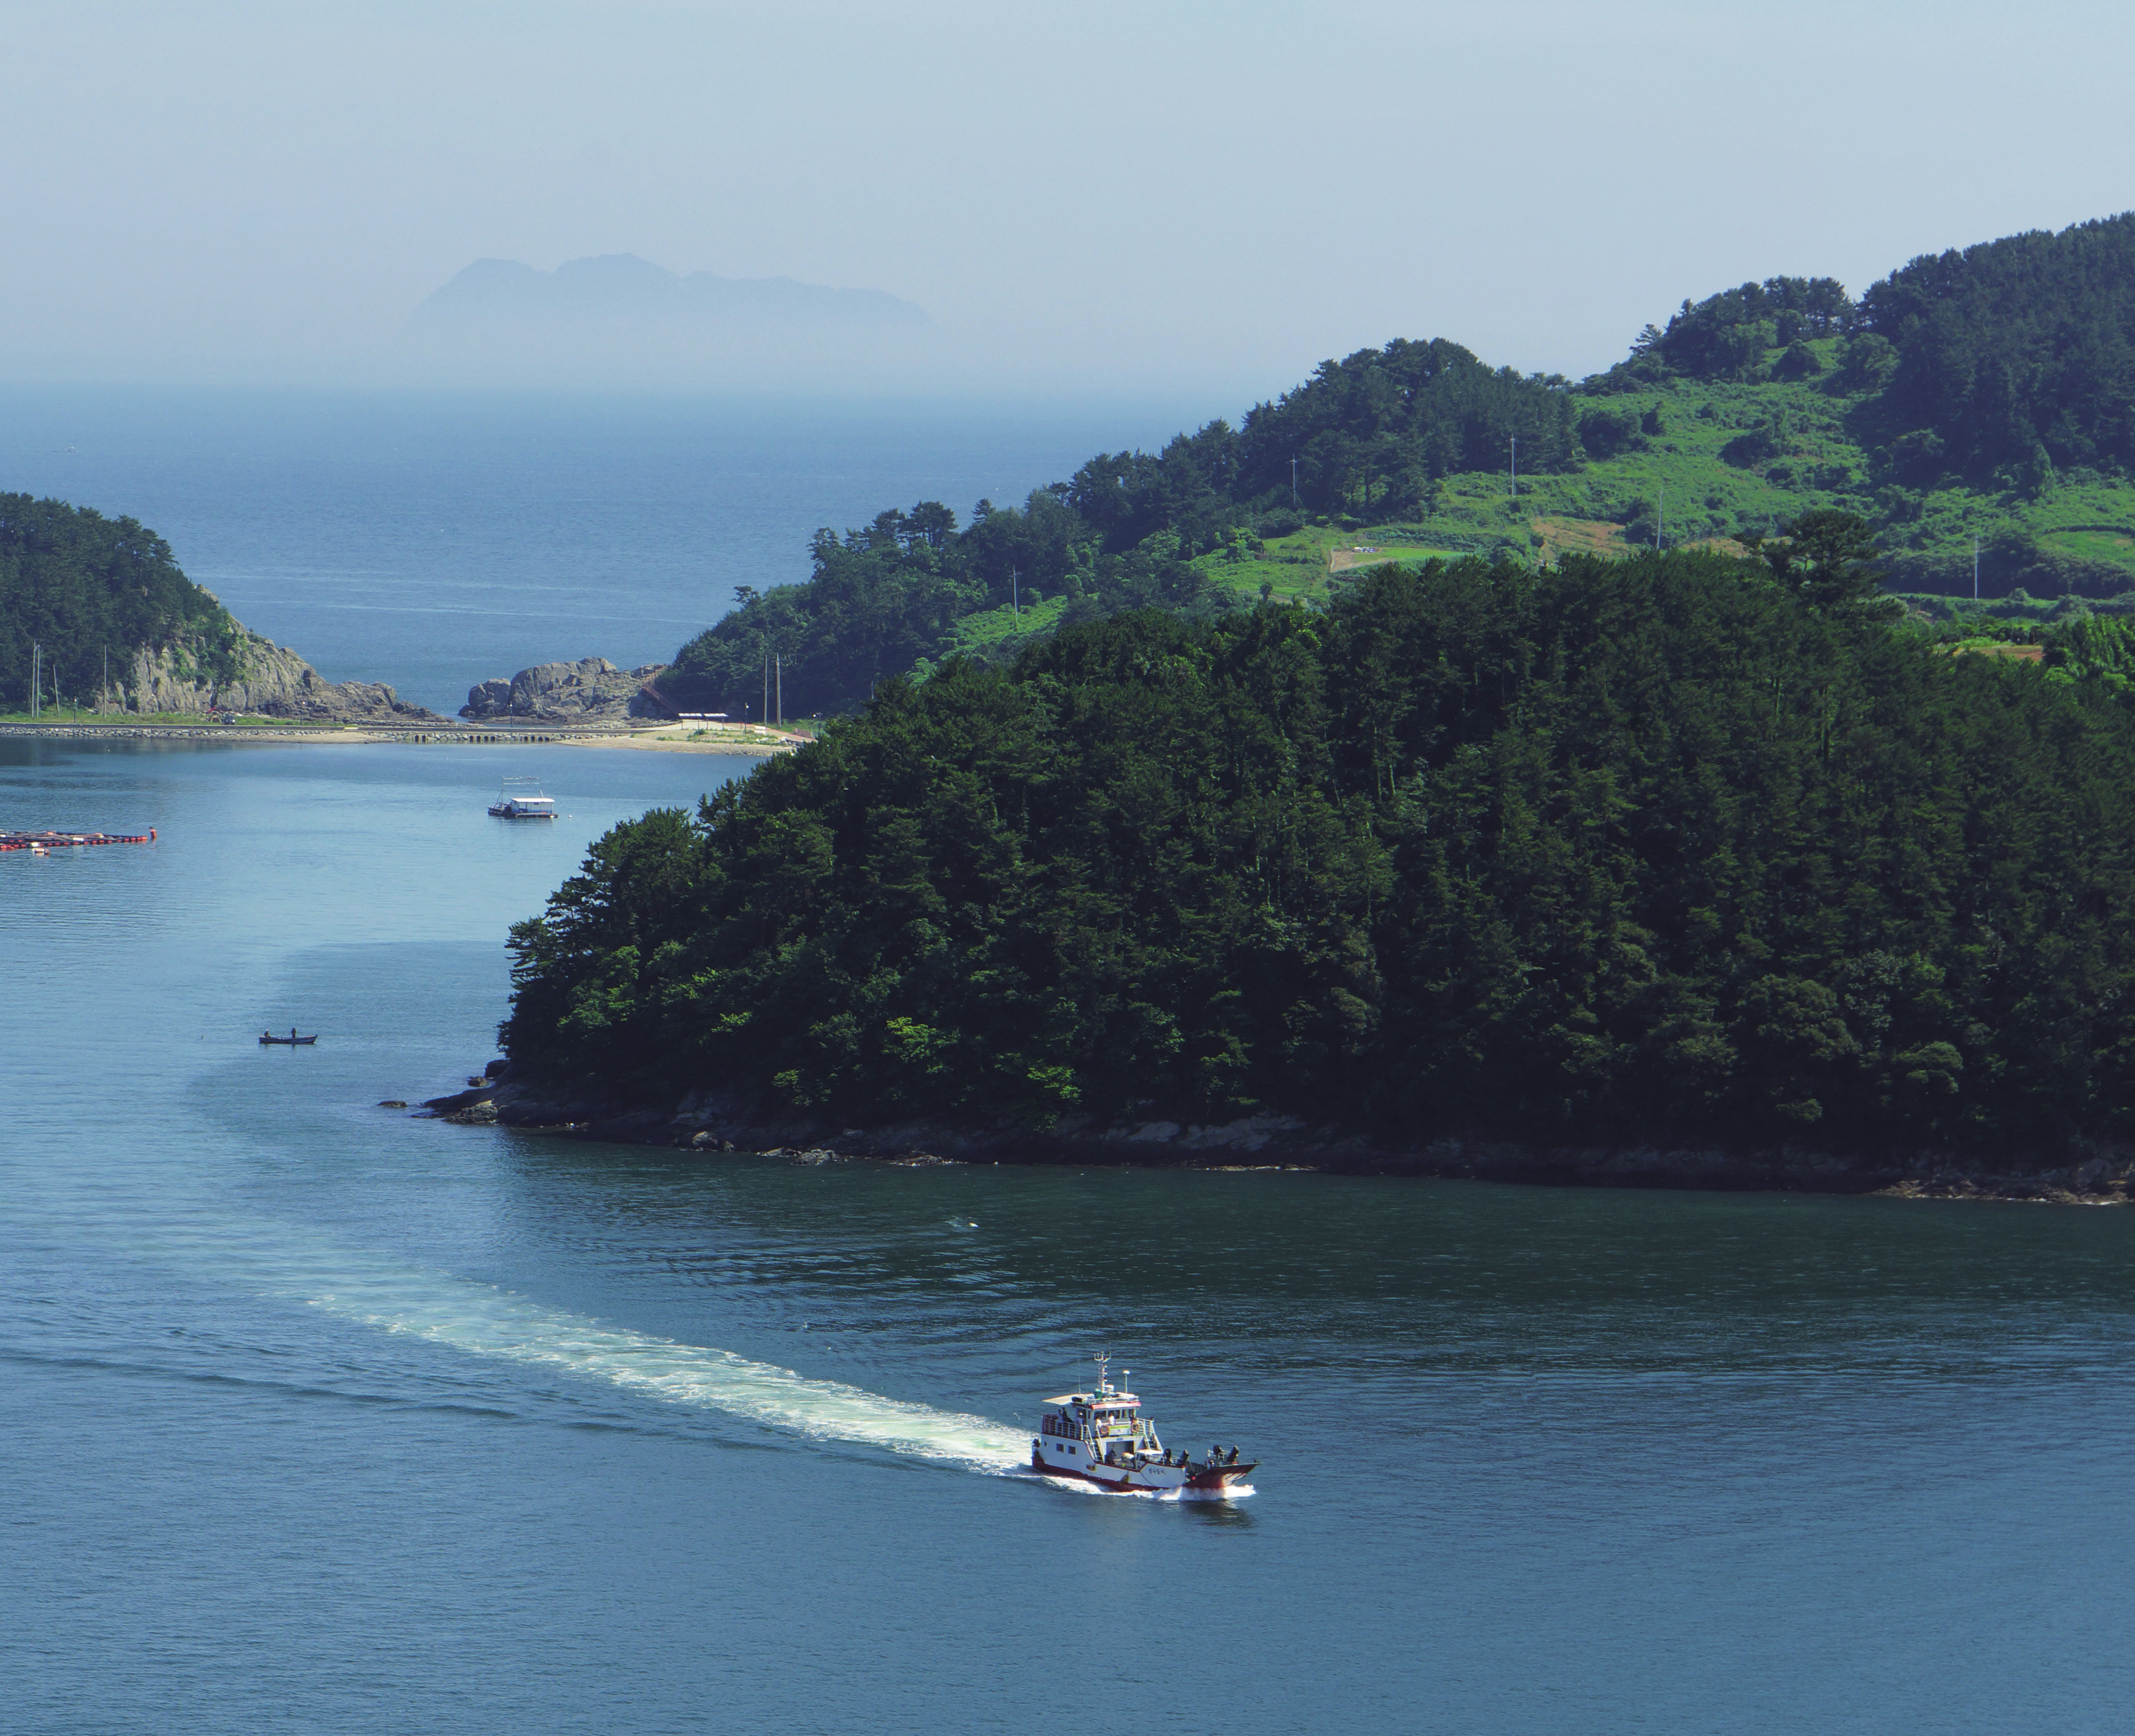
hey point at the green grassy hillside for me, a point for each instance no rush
(1727, 459)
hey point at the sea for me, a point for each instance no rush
(432, 541)
(319, 1416)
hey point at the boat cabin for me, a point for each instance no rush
(1080, 1429)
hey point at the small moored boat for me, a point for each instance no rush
(1102, 1437)
(522, 799)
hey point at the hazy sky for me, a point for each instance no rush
(1094, 197)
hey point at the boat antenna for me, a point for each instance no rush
(1103, 1384)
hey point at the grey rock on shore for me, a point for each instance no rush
(592, 690)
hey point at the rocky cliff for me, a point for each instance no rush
(270, 680)
(591, 690)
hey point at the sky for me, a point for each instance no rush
(1088, 200)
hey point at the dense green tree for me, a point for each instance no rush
(1828, 558)
(1372, 432)
(1727, 336)
(1605, 432)
(2014, 356)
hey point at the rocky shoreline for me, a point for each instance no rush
(710, 1121)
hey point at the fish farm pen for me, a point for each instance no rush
(71, 839)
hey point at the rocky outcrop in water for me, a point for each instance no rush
(591, 690)
(270, 680)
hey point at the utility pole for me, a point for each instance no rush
(782, 689)
(1516, 467)
(1293, 499)
(36, 674)
(765, 713)
(1014, 593)
(1975, 568)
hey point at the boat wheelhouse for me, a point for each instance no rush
(1102, 1437)
(522, 799)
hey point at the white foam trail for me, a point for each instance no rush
(297, 1264)
(486, 1322)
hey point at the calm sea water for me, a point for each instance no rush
(315, 1417)
(435, 541)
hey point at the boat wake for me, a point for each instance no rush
(486, 1322)
(275, 1259)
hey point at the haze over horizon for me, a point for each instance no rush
(1195, 202)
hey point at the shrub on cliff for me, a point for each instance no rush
(1680, 847)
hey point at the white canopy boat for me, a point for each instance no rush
(522, 799)
(1102, 1437)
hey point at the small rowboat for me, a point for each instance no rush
(291, 1042)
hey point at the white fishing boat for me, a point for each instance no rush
(522, 799)
(1102, 1437)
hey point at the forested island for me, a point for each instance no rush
(1684, 851)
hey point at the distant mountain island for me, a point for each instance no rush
(620, 290)
(619, 321)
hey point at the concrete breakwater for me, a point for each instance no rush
(715, 1121)
(742, 740)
